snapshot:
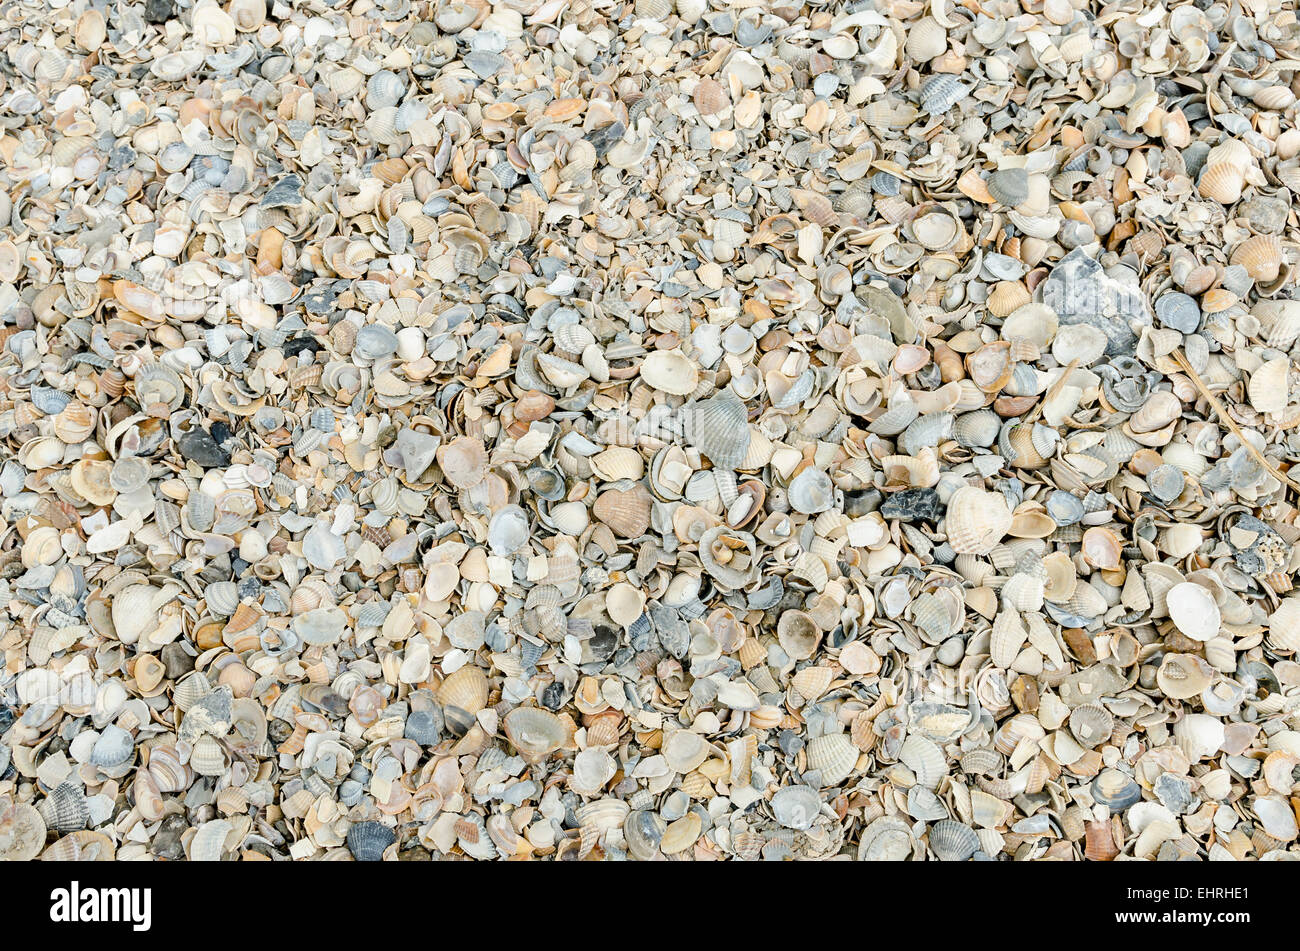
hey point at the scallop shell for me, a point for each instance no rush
(65, 808)
(1221, 182)
(367, 841)
(976, 521)
(834, 756)
(952, 841)
(466, 689)
(535, 733)
(1091, 724)
(684, 751)
(1269, 387)
(1261, 256)
(719, 428)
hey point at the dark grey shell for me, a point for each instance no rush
(367, 840)
(424, 727)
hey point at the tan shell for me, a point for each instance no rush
(1183, 676)
(670, 371)
(625, 511)
(1221, 182)
(466, 688)
(536, 733)
(1261, 256)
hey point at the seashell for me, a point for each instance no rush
(719, 428)
(1277, 818)
(508, 530)
(644, 831)
(811, 492)
(1183, 676)
(976, 520)
(1091, 724)
(925, 759)
(684, 751)
(113, 748)
(1221, 182)
(798, 634)
(1284, 625)
(990, 367)
(454, 16)
(65, 808)
(463, 461)
(465, 689)
(367, 841)
(1194, 611)
(796, 807)
(624, 603)
(977, 429)
(1269, 386)
(22, 832)
(535, 733)
(625, 511)
(80, 846)
(952, 841)
(149, 673)
(834, 756)
(926, 40)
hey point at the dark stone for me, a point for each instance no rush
(603, 642)
(177, 662)
(297, 345)
(286, 193)
(159, 11)
(166, 842)
(553, 695)
(913, 505)
(198, 446)
(606, 137)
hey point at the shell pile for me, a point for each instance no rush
(650, 429)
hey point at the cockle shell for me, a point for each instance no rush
(976, 520)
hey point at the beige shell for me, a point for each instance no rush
(1221, 182)
(1161, 408)
(1008, 637)
(536, 733)
(466, 688)
(1091, 724)
(811, 682)
(1261, 256)
(463, 461)
(670, 371)
(625, 511)
(834, 755)
(1183, 676)
(1268, 388)
(926, 39)
(976, 520)
(684, 750)
(624, 603)
(1006, 297)
(1284, 625)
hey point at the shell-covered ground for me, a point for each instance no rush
(669, 429)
